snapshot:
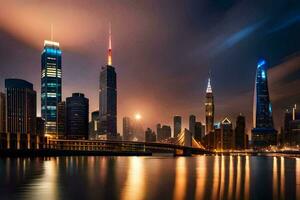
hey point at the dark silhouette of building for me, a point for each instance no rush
(163, 132)
(51, 81)
(150, 135)
(177, 125)
(263, 133)
(291, 130)
(20, 106)
(241, 138)
(40, 126)
(94, 125)
(61, 119)
(192, 124)
(2, 113)
(209, 108)
(227, 135)
(198, 131)
(127, 129)
(77, 116)
(108, 98)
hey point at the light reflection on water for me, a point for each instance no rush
(200, 177)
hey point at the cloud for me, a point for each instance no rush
(285, 22)
(237, 37)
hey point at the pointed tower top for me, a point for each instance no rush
(109, 61)
(208, 89)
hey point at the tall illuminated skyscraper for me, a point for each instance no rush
(209, 109)
(263, 132)
(108, 97)
(51, 85)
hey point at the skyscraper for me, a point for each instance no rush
(61, 119)
(127, 129)
(108, 97)
(209, 108)
(263, 132)
(198, 131)
(21, 106)
(51, 76)
(2, 113)
(227, 134)
(163, 132)
(241, 139)
(291, 131)
(177, 125)
(77, 116)
(150, 135)
(192, 123)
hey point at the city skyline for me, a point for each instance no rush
(172, 99)
(137, 73)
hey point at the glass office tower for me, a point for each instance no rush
(51, 85)
(108, 97)
(263, 133)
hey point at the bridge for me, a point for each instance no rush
(183, 144)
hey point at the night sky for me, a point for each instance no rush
(162, 51)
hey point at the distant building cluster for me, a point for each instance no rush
(69, 119)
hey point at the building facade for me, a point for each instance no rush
(150, 135)
(241, 138)
(77, 108)
(127, 129)
(94, 125)
(192, 124)
(198, 131)
(40, 126)
(108, 97)
(263, 132)
(2, 113)
(20, 107)
(61, 119)
(209, 109)
(177, 120)
(163, 132)
(291, 130)
(227, 135)
(51, 80)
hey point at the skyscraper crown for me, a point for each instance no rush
(208, 89)
(261, 62)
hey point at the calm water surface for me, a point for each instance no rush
(130, 178)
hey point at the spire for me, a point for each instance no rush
(208, 89)
(109, 61)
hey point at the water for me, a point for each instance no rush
(130, 178)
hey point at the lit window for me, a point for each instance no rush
(51, 84)
(51, 94)
(51, 107)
